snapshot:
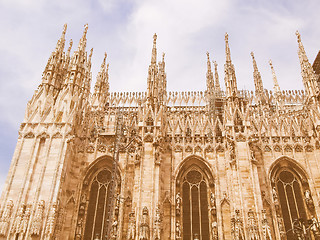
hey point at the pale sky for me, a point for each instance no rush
(124, 28)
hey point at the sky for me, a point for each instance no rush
(124, 29)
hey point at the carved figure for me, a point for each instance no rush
(237, 227)
(214, 230)
(132, 227)
(178, 203)
(144, 226)
(275, 196)
(252, 228)
(315, 227)
(308, 199)
(157, 225)
(266, 231)
(178, 231)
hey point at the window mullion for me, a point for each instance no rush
(200, 217)
(295, 200)
(287, 202)
(104, 212)
(190, 201)
(95, 211)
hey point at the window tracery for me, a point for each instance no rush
(94, 204)
(194, 195)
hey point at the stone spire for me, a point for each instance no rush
(308, 76)
(216, 79)
(276, 87)
(52, 74)
(257, 80)
(101, 88)
(210, 81)
(83, 40)
(230, 76)
(153, 75)
(154, 50)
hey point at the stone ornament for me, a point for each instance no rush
(131, 227)
(144, 225)
(5, 218)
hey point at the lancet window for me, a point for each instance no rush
(289, 188)
(196, 212)
(94, 205)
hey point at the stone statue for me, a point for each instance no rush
(275, 196)
(132, 227)
(298, 229)
(307, 197)
(114, 229)
(266, 231)
(237, 227)
(315, 227)
(178, 203)
(252, 228)
(214, 230)
(178, 231)
(212, 200)
(144, 226)
(157, 225)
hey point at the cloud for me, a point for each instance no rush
(124, 28)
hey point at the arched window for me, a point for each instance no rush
(291, 200)
(98, 205)
(289, 184)
(198, 201)
(94, 203)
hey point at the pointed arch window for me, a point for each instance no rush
(288, 194)
(195, 216)
(95, 203)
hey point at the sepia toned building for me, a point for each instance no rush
(209, 165)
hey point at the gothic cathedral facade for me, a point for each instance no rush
(164, 165)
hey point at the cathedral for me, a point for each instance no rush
(207, 165)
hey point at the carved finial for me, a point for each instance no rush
(83, 40)
(298, 36)
(276, 87)
(104, 61)
(61, 41)
(309, 79)
(210, 82)
(90, 56)
(64, 29)
(70, 46)
(216, 78)
(226, 38)
(230, 76)
(257, 79)
(208, 62)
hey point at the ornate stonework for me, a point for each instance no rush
(164, 165)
